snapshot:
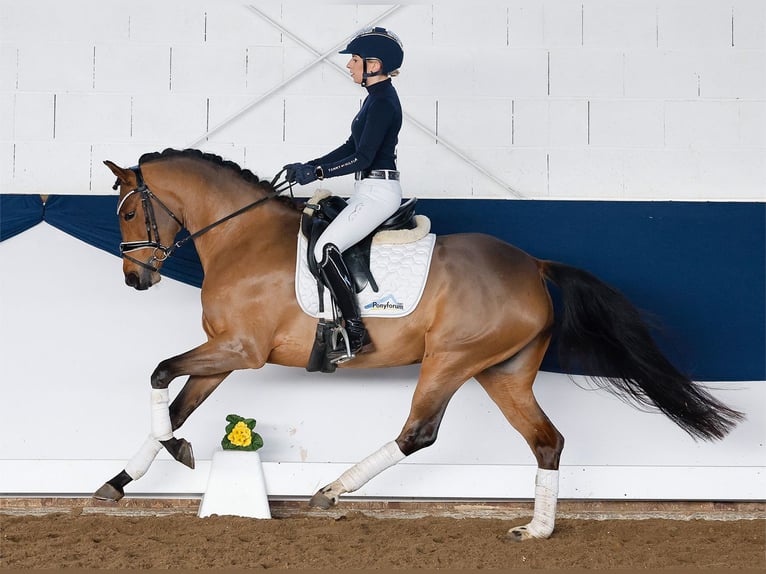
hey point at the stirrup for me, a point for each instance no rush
(343, 354)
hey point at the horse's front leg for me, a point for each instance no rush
(207, 365)
(196, 390)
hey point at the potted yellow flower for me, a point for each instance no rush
(240, 434)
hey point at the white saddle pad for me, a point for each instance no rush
(400, 269)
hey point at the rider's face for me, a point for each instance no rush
(356, 67)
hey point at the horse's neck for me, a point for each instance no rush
(266, 223)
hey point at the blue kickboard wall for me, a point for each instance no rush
(698, 268)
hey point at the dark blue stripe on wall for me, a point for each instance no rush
(698, 268)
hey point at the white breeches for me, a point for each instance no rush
(373, 201)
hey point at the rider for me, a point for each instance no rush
(369, 153)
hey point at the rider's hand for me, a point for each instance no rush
(290, 171)
(305, 173)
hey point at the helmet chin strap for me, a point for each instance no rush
(366, 74)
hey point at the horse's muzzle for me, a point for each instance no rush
(138, 281)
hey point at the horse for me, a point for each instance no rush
(244, 232)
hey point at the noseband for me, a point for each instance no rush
(161, 252)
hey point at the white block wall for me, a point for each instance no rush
(610, 99)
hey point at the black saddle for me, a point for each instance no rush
(357, 258)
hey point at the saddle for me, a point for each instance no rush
(319, 212)
(323, 208)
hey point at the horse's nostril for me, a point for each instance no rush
(132, 280)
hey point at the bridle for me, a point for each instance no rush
(153, 241)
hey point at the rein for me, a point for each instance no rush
(161, 252)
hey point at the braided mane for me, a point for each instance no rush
(196, 154)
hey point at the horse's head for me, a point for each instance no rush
(147, 232)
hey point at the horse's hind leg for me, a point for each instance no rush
(196, 390)
(509, 384)
(440, 377)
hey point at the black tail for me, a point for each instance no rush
(605, 337)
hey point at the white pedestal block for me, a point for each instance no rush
(236, 486)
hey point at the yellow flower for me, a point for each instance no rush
(240, 435)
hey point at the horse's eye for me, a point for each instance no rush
(129, 215)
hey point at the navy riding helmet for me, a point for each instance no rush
(379, 44)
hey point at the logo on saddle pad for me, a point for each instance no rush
(387, 303)
(400, 270)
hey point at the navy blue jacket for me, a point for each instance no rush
(374, 135)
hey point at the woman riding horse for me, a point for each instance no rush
(369, 153)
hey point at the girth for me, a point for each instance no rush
(357, 258)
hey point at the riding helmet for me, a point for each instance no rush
(380, 44)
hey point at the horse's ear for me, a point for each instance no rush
(126, 176)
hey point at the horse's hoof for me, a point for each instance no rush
(518, 534)
(109, 493)
(322, 501)
(181, 450)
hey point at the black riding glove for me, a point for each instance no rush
(305, 173)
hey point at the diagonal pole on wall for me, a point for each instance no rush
(319, 58)
(323, 58)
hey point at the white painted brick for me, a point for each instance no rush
(7, 113)
(169, 120)
(586, 174)
(131, 68)
(7, 151)
(54, 21)
(731, 174)
(264, 68)
(33, 116)
(733, 74)
(550, 123)
(513, 73)
(658, 174)
(434, 171)
(323, 26)
(749, 24)
(487, 24)
(424, 68)
(234, 22)
(562, 25)
(167, 23)
(413, 23)
(208, 69)
(267, 160)
(524, 170)
(263, 123)
(626, 124)
(706, 174)
(314, 76)
(691, 24)
(701, 125)
(526, 23)
(8, 62)
(92, 117)
(586, 73)
(661, 74)
(320, 121)
(422, 111)
(468, 122)
(55, 67)
(40, 165)
(752, 125)
(621, 24)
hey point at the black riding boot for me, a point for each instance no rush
(336, 276)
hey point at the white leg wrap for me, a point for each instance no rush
(359, 474)
(161, 427)
(546, 496)
(139, 464)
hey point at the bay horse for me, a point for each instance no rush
(245, 237)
